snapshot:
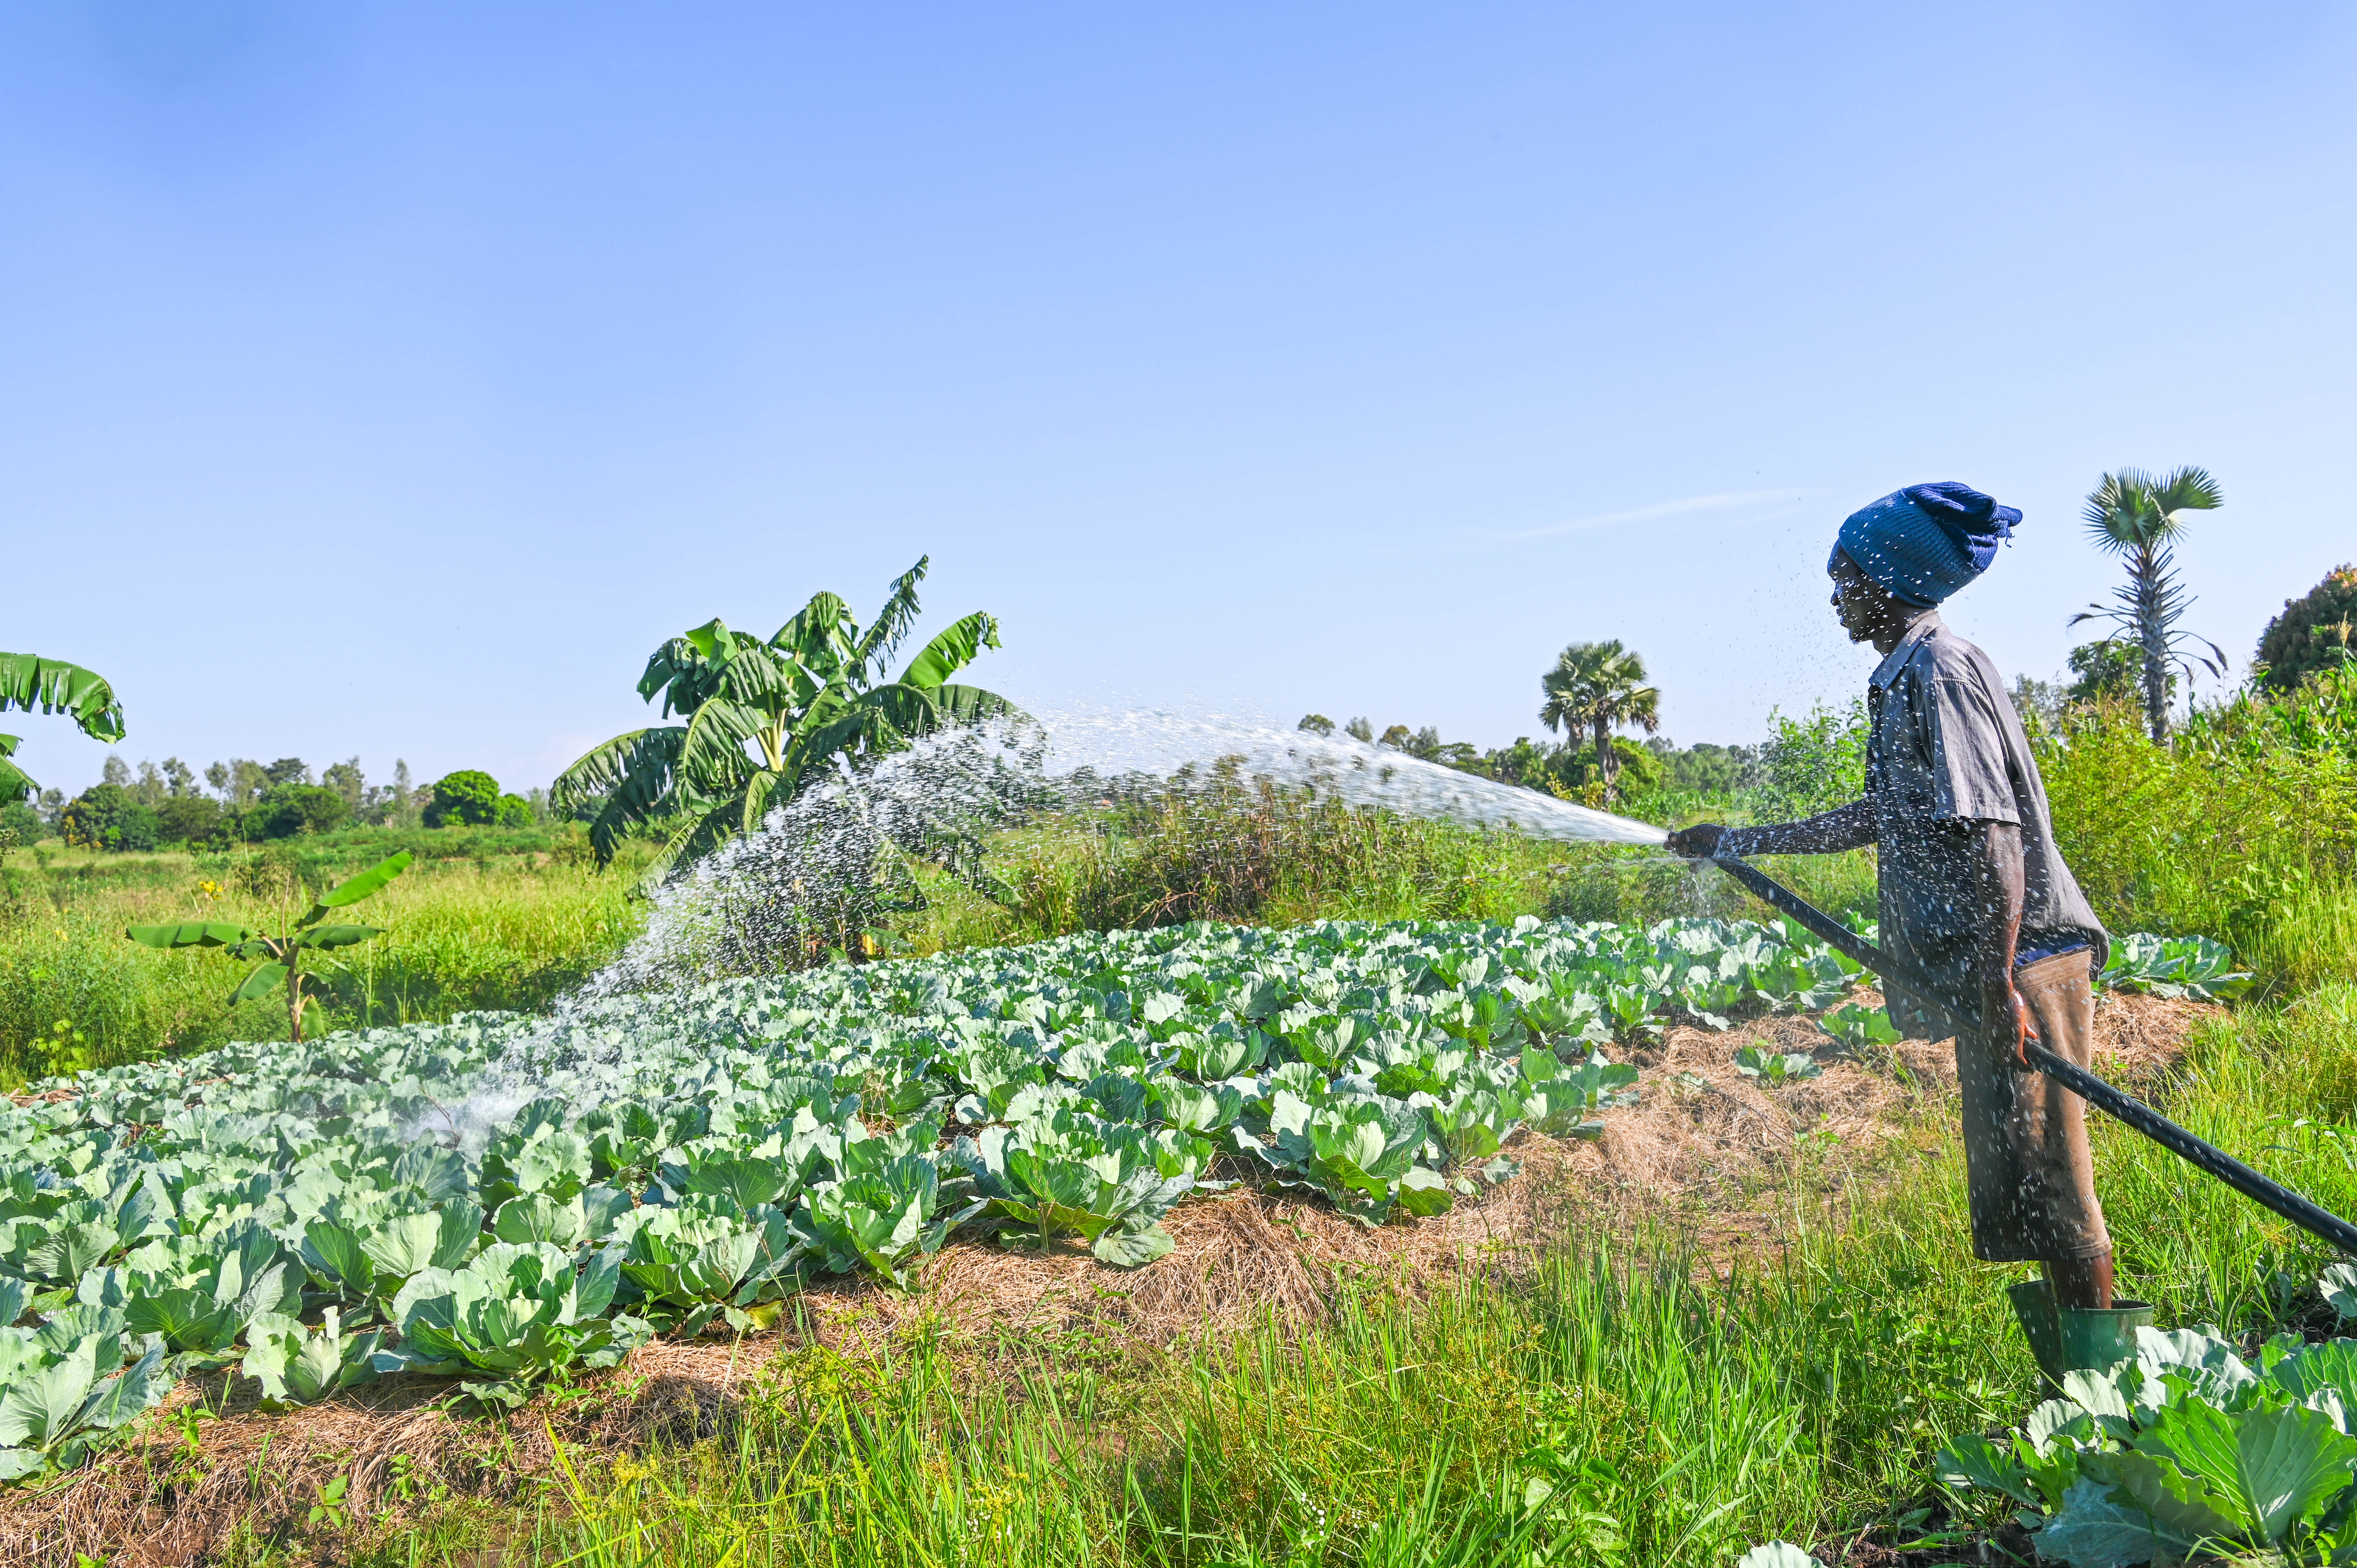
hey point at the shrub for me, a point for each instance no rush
(1641, 771)
(469, 796)
(1224, 848)
(197, 820)
(2111, 668)
(25, 824)
(1814, 763)
(285, 809)
(106, 816)
(2248, 812)
(2311, 634)
(1706, 768)
(514, 811)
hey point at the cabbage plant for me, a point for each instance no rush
(2184, 1450)
(57, 1238)
(882, 1217)
(197, 1297)
(1775, 1066)
(2175, 966)
(365, 1262)
(513, 1315)
(709, 1257)
(64, 1389)
(298, 1365)
(1066, 1177)
(694, 1157)
(1859, 1028)
(1361, 1154)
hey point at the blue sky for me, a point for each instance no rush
(390, 379)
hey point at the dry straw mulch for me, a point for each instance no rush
(1700, 1147)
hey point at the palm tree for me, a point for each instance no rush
(28, 682)
(766, 721)
(2133, 515)
(1599, 687)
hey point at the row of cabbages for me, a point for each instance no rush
(502, 1198)
(2186, 1451)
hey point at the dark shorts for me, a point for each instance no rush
(2027, 1165)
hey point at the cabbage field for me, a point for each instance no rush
(506, 1197)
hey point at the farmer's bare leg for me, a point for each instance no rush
(2085, 1283)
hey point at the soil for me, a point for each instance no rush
(1700, 1145)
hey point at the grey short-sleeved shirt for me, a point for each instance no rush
(1945, 748)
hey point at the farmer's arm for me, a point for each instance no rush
(1847, 827)
(1998, 898)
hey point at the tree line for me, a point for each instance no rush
(240, 800)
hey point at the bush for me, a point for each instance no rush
(285, 809)
(197, 820)
(1812, 764)
(514, 811)
(2313, 634)
(106, 816)
(467, 796)
(2110, 669)
(21, 825)
(1706, 768)
(1225, 848)
(2250, 812)
(1641, 771)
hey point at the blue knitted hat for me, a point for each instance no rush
(1925, 542)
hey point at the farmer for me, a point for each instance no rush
(1973, 891)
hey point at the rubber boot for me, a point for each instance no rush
(2094, 1339)
(2033, 1303)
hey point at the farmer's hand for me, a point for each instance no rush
(2009, 1026)
(1696, 841)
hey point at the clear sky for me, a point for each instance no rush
(391, 379)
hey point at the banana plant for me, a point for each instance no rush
(282, 953)
(29, 682)
(763, 721)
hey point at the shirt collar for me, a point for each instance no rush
(1887, 671)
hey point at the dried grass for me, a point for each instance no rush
(1699, 1147)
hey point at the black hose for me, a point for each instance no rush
(2208, 1156)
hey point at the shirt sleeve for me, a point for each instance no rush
(1972, 779)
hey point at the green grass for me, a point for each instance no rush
(464, 931)
(1676, 1421)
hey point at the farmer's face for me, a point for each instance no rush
(1864, 608)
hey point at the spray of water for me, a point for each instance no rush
(1165, 746)
(822, 868)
